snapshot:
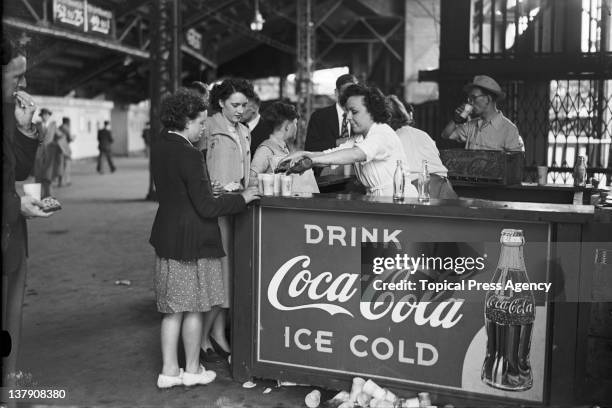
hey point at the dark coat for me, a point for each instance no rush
(322, 131)
(105, 139)
(18, 153)
(261, 132)
(186, 227)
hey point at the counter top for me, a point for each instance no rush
(529, 186)
(459, 208)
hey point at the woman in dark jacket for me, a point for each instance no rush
(186, 237)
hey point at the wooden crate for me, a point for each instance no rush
(484, 166)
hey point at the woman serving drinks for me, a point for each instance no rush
(376, 149)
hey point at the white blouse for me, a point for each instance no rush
(383, 149)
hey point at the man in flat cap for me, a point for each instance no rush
(479, 124)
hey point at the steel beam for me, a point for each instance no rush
(208, 13)
(382, 39)
(31, 10)
(234, 25)
(91, 74)
(328, 13)
(45, 54)
(165, 64)
(68, 35)
(305, 62)
(198, 56)
(127, 29)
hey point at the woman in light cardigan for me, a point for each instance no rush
(228, 158)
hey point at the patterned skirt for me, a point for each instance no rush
(188, 286)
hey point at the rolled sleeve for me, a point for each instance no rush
(514, 142)
(373, 146)
(460, 133)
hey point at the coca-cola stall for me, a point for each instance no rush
(415, 297)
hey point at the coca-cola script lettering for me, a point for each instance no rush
(306, 288)
(520, 306)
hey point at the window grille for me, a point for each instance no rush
(510, 27)
(575, 118)
(595, 19)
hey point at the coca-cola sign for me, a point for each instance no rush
(317, 309)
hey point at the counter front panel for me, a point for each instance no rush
(312, 313)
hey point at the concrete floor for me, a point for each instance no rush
(96, 340)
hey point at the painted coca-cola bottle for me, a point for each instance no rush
(509, 317)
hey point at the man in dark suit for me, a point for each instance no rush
(105, 140)
(328, 127)
(20, 139)
(260, 129)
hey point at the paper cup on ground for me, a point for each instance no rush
(370, 388)
(32, 189)
(363, 399)
(277, 184)
(260, 178)
(411, 403)
(389, 396)
(542, 175)
(313, 399)
(356, 388)
(268, 184)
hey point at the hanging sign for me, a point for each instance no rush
(99, 20)
(194, 39)
(69, 13)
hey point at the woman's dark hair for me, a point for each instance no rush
(201, 88)
(277, 113)
(180, 107)
(399, 114)
(373, 100)
(225, 89)
(10, 49)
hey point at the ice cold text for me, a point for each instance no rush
(381, 348)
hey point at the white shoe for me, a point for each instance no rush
(202, 378)
(169, 381)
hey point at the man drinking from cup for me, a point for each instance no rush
(20, 139)
(479, 124)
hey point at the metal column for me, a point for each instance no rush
(305, 58)
(165, 63)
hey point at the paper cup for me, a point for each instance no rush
(32, 189)
(389, 396)
(356, 388)
(313, 399)
(371, 388)
(363, 399)
(542, 175)
(277, 184)
(286, 185)
(268, 184)
(411, 403)
(260, 178)
(348, 170)
(467, 109)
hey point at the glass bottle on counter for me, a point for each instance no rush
(423, 183)
(580, 172)
(399, 182)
